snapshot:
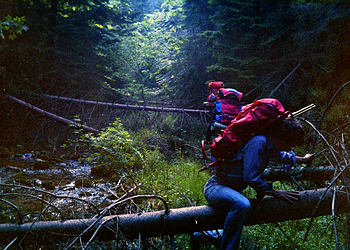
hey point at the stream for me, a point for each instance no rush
(70, 178)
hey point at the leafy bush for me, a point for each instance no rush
(114, 148)
(12, 27)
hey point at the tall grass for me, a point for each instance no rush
(176, 179)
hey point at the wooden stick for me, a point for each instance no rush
(303, 110)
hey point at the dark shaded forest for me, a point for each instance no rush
(162, 54)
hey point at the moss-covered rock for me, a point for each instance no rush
(22, 178)
(41, 164)
(102, 170)
(83, 182)
(48, 185)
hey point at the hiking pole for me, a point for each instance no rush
(204, 157)
(218, 125)
(303, 110)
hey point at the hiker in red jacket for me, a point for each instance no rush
(223, 104)
(223, 189)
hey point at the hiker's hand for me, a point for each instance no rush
(308, 158)
(289, 196)
(305, 159)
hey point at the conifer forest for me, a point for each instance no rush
(102, 116)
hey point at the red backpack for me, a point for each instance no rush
(252, 120)
(227, 106)
(224, 102)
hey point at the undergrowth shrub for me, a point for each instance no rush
(113, 149)
(171, 132)
(177, 180)
(290, 235)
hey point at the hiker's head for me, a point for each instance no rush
(216, 85)
(287, 133)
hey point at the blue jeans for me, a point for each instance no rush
(223, 197)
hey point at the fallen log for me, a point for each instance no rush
(127, 106)
(186, 220)
(51, 115)
(300, 173)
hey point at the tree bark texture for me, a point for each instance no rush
(187, 219)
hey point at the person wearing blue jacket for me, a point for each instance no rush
(223, 189)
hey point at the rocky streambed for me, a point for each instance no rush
(67, 184)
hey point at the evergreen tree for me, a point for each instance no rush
(244, 35)
(148, 53)
(66, 48)
(195, 55)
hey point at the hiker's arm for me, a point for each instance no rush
(254, 162)
(286, 157)
(291, 158)
(305, 159)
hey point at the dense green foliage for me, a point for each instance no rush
(166, 51)
(150, 51)
(113, 148)
(12, 26)
(66, 45)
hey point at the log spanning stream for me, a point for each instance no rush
(188, 219)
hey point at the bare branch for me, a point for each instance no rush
(52, 194)
(37, 198)
(331, 101)
(331, 149)
(117, 203)
(340, 127)
(285, 79)
(11, 243)
(95, 233)
(20, 220)
(334, 220)
(321, 199)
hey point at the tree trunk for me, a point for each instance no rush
(51, 115)
(126, 106)
(186, 220)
